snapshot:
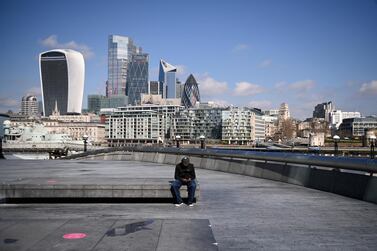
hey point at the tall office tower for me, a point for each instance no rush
(167, 79)
(137, 77)
(284, 112)
(120, 51)
(179, 89)
(62, 74)
(323, 110)
(154, 88)
(29, 106)
(190, 93)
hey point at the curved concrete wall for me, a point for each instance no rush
(354, 185)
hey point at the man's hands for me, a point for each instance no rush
(186, 180)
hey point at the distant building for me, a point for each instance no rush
(98, 102)
(62, 80)
(148, 99)
(337, 116)
(274, 113)
(120, 52)
(192, 123)
(284, 112)
(242, 126)
(141, 124)
(179, 89)
(29, 106)
(137, 78)
(356, 127)
(323, 110)
(317, 139)
(167, 77)
(75, 130)
(190, 95)
(94, 131)
(154, 88)
(270, 122)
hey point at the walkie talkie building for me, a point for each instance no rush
(62, 74)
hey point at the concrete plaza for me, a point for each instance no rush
(237, 212)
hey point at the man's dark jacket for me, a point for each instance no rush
(183, 172)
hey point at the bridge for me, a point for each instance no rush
(253, 201)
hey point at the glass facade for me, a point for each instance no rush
(137, 78)
(97, 102)
(120, 51)
(154, 88)
(167, 78)
(190, 93)
(54, 74)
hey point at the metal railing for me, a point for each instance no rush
(356, 164)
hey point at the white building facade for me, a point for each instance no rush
(242, 126)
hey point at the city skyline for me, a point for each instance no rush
(243, 53)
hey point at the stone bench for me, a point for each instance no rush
(148, 188)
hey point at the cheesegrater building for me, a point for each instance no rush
(62, 74)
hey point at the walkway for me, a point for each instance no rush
(245, 213)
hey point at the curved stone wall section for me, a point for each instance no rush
(350, 184)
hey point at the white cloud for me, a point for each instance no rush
(36, 91)
(53, 43)
(262, 104)
(265, 63)
(303, 85)
(209, 86)
(280, 85)
(247, 89)
(240, 47)
(181, 69)
(8, 102)
(369, 88)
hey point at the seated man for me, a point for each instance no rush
(184, 175)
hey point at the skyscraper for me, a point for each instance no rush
(62, 74)
(190, 93)
(29, 105)
(323, 110)
(137, 77)
(120, 52)
(154, 88)
(167, 79)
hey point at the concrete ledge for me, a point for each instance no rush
(144, 188)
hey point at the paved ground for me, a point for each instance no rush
(245, 213)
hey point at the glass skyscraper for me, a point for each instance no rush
(190, 93)
(167, 79)
(120, 52)
(137, 77)
(62, 74)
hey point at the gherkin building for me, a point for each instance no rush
(190, 93)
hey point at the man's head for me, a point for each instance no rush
(185, 161)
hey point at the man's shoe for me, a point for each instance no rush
(178, 204)
(191, 205)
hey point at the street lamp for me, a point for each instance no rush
(177, 138)
(85, 138)
(1, 148)
(202, 139)
(336, 139)
(372, 140)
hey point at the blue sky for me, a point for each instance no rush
(245, 53)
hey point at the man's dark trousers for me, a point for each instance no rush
(191, 186)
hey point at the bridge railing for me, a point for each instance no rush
(347, 163)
